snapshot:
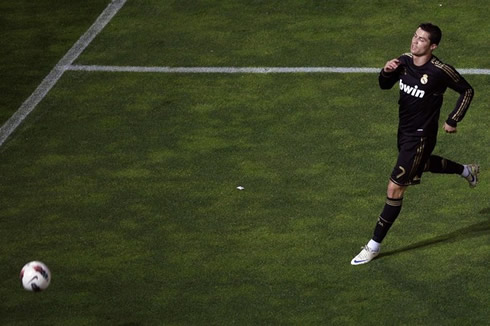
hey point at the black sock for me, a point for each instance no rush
(387, 218)
(437, 164)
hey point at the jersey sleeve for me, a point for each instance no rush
(457, 83)
(388, 79)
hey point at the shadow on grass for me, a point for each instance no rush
(472, 231)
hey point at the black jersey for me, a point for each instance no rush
(421, 94)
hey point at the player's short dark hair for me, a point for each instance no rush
(435, 33)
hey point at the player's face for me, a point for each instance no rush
(421, 44)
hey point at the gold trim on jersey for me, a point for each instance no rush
(418, 159)
(468, 95)
(450, 71)
(455, 76)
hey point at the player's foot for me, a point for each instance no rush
(472, 178)
(365, 256)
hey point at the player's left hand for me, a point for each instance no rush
(449, 129)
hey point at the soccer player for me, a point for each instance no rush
(423, 79)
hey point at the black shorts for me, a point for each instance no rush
(413, 154)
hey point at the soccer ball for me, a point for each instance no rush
(35, 276)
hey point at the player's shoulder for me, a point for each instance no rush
(437, 63)
(443, 68)
(405, 57)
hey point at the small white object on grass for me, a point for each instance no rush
(240, 188)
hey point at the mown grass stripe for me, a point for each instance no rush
(55, 74)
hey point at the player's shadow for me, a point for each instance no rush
(472, 231)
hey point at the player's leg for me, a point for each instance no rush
(437, 164)
(413, 154)
(391, 210)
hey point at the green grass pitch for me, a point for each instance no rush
(125, 184)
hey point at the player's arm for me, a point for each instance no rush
(389, 74)
(466, 93)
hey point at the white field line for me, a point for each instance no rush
(52, 78)
(224, 70)
(245, 70)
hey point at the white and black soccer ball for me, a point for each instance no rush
(35, 276)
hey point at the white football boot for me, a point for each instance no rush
(472, 178)
(365, 256)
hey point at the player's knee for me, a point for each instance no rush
(395, 191)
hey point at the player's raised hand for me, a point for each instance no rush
(391, 65)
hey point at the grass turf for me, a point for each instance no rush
(286, 33)
(144, 212)
(34, 36)
(125, 185)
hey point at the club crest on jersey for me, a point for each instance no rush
(411, 90)
(424, 79)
